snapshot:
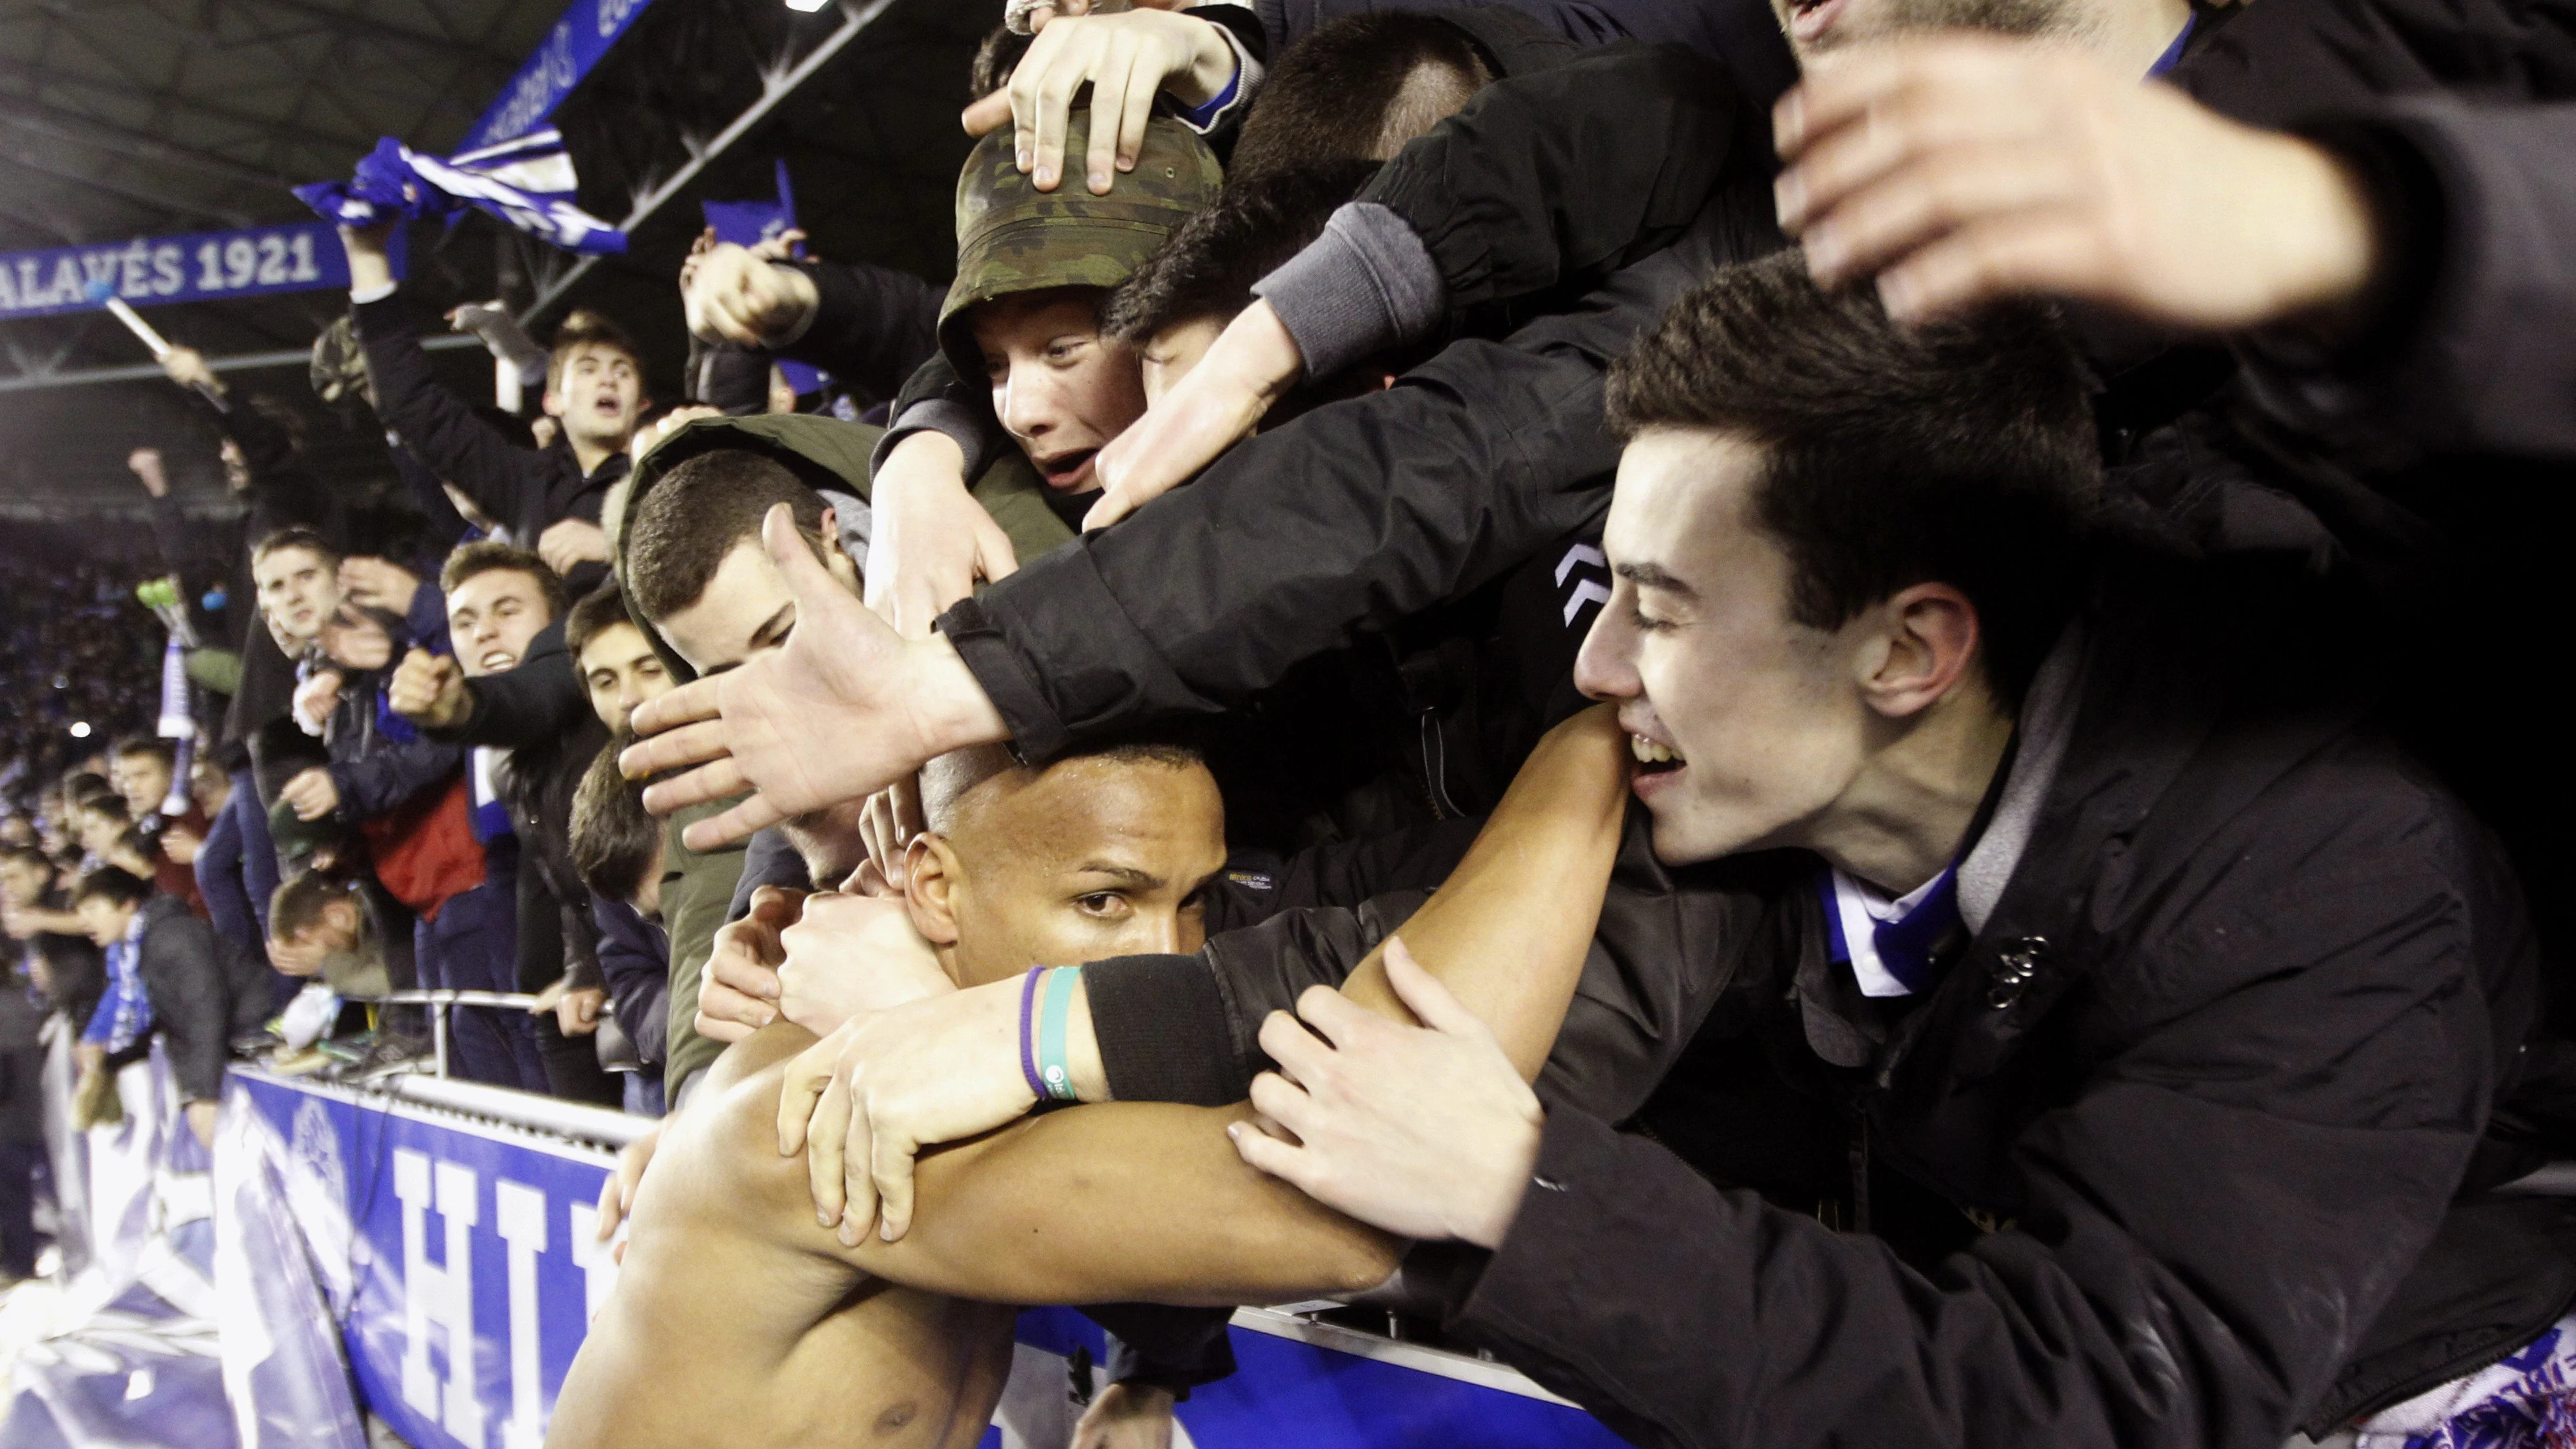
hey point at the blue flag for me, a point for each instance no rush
(749, 223)
(527, 183)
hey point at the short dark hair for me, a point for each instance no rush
(296, 536)
(297, 904)
(596, 612)
(1208, 267)
(1358, 88)
(1962, 452)
(129, 746)
(485, 556)
(996, 56)
(81, 785)
(698, 514)
(27, 855)
(614, 838)
(123, 887)
(282, 417)
(585, 328)
(108, 803)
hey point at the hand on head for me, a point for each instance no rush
(1954, 169)
(1127, 59)
(1214, 406)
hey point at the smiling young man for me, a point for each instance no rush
(2152, 1008)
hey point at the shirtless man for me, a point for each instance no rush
(741, 1319)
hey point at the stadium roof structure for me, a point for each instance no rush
(128, 118)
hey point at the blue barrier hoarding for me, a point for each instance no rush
(208, 266)
(472, 1273)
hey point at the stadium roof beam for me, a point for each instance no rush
(80, 130)
(775, 87)
(242, 362)
(141, 196)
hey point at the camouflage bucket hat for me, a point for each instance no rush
(1012, 237)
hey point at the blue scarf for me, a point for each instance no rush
(1889, 944)
(125, 1013)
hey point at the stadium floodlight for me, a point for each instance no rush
(807, 7)
(80, 729)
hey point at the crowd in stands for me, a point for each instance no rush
(1771, 688)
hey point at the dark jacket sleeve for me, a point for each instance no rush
(390, 775)
(2204, 1227)
(768, 858)
(637, 966)
(732, 380)
(2473, 342)
(1363, 511)
(446, 525)
(1257, 885)
(872, 325)
(1543, 179)
(1357, 513)
(505, 480)
(1669, 944)
(191, 1007)
(936, 400)
(537, 703)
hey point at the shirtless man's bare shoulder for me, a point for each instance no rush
(786, 1344)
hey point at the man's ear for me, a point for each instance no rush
(1927, 645)
(827, 548)
(929, 886)
(342, 916)
(552, 405)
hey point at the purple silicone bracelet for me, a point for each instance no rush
(1028, 1032)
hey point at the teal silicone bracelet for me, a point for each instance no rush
(1053, 1068)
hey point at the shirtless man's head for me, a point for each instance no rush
(1092, 857)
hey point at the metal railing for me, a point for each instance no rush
(438, 1001)
(578, 1120)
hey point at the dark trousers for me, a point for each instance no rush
(572, 1066)
(472, 946)
(19, 1164)
(220, 879)
(259, 854)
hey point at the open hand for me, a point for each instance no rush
(1126, 59)
(375, 583)
(1208, 411)
(846, 707)
(928, 539)
(617, 1195)
(1427, 1132)
(1958, 168)
(863, 1102)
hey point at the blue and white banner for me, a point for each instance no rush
(584, 34)
(199, 267)
(458, 1258)
(527, 183)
